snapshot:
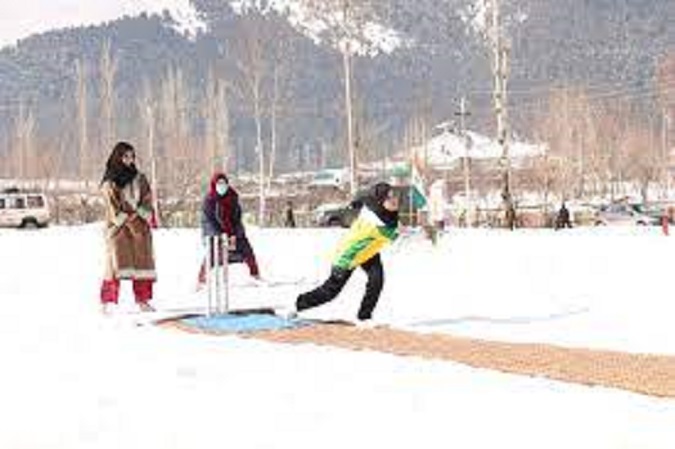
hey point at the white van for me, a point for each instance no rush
(330, 177)
(23, 209)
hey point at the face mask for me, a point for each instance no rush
(221, 188)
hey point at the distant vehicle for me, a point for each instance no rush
(23, 209)
(624, 214)
(658, 212)
(343, 214)
(335, 215)
(336, 178)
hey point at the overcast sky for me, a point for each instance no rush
(21, 18)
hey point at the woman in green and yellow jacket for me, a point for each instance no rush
(375, 227)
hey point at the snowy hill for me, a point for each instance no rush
(326, 24)
(427, 51)
(38, 17)
(19, 19)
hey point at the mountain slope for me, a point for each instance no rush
(609, 46)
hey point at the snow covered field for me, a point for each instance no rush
(73, 379)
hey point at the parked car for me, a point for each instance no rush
(23, 209)
(343, 214)
(335, 215)
(659, 211)
(624, 214)
(333, 178)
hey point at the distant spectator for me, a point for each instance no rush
(511, 216)
(289, 216)
(563, 218)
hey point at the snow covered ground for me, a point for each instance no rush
(73, 379)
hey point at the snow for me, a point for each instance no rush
(73, 379)
(447, 149)
(475, 15)
(20, 19)
(322, 19)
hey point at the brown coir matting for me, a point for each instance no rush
(652, 375)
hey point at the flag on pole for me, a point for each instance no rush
(419, 197)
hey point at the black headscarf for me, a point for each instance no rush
(117, 171)
(375, 199)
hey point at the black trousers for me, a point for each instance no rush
(335, 283)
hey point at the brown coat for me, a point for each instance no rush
(129, 253)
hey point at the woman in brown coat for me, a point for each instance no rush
(128, 213)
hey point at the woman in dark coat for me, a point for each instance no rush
(221, 216)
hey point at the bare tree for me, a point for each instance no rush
(578, 136)
(665, 83)
(26, 160)
(173, 120)
(281, 98)
(209, 112)
(601, 146)
(50, 163)
(84, 167)
(5, 156)
(347, 20)
(613, 123)
(273, 123)
(222, 119)
(108, 69)
(642, 157)
(178, 167)
(252, 60)
(216, 119)
(556, 126)
(147, 107)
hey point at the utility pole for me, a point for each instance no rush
(467, 182)
(500, 73)
(347, 63)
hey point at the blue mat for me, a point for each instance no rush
(242, 323)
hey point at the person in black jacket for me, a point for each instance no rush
(221, 216)
(289, 215)
(563, 218)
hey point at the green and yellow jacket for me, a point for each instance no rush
(367, 236)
